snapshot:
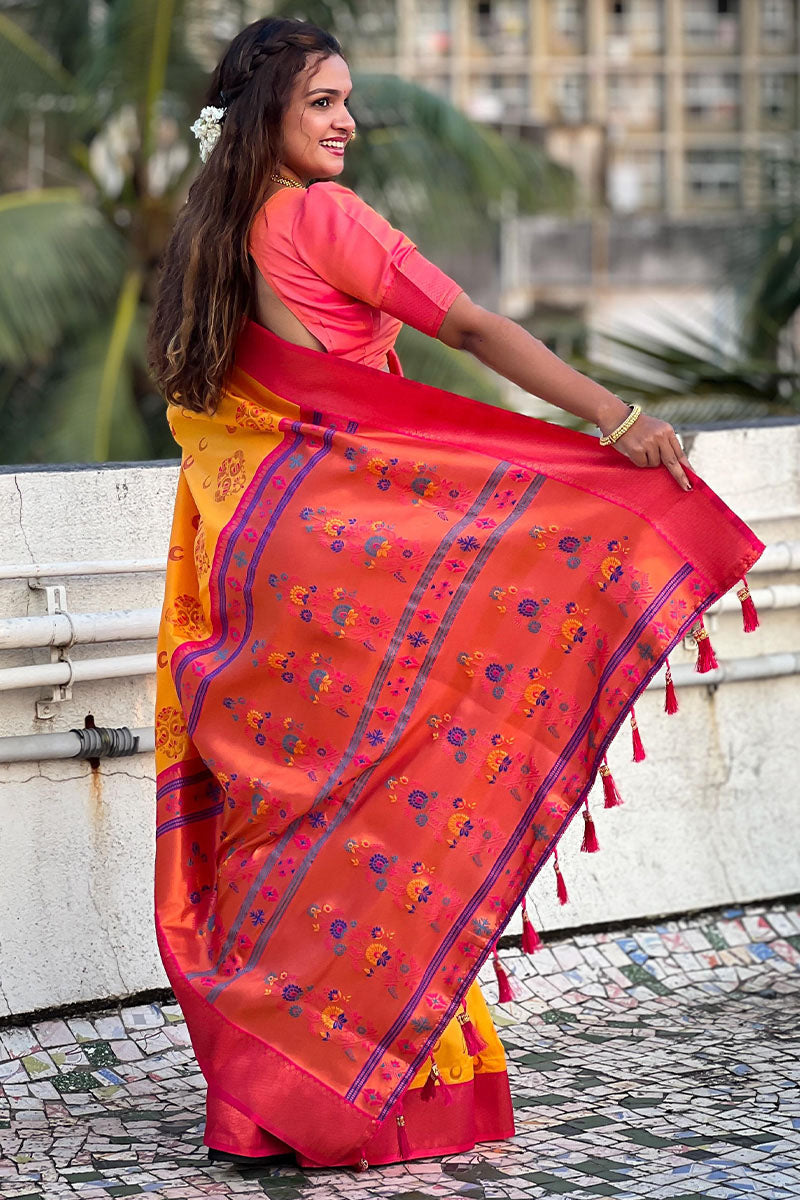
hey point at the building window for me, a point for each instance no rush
(636, 181)
(568, 19)
(377, 29)
(568, 95)
(712, 98)
(777, 24)
(777, 99)
(635, 26)
(780, 178)
(497, 98)
(433, 29)
(712, 25)
(500, 26)
(636, 101)
(714, 177)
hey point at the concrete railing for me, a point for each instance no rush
(710, 816)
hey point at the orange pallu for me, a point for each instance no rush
(400, 630)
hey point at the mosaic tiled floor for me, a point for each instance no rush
(663, 1062)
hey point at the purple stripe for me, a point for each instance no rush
(377, 685)
(185, 781)
(431, 655)
(177, 822)
(258, 550)
(608, 737)
(503, 857)
(241, 518)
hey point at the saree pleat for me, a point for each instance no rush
(400, 630)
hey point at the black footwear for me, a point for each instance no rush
(244, 1160)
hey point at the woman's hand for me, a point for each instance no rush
(650, 442)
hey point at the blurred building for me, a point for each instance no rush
(679, 118)
(676, 106)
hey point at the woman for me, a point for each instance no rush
(400, 630)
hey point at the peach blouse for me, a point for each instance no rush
(346, 273)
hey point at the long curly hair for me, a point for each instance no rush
(205, 289)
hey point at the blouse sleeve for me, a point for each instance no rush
(357, 251)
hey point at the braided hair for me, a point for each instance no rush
(205, 290)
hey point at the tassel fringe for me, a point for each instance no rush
(749, 613)
(670, 698)
(472, 1039)
(362, 1164)
(611, 796)
(706, 658)
(504, 992)
(561, 887)
(434, 1083)
(402, 1136)
(530, 938)
(638, 748)
(589, 843)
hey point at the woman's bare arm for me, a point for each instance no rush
(507, 348)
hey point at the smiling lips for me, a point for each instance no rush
(335, 146)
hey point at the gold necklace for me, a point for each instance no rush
(286, 182)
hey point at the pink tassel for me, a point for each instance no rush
(402, 1137)
(504, 992)
(589, 843)
(706, 658)
(530, 938)
(670, 699)
(611, 796)
(435, 1083)
(638, 748)
(749, 613)
(561, 887)
(472, 1039)
(429, 1087)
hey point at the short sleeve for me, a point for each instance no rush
(357, 251)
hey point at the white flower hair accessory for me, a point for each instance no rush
(207, 129)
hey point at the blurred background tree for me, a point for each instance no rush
(749, 370)
(97, 158)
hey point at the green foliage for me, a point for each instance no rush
(76, 259)
(748, 370)
(62, 264)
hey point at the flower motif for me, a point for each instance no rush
(207, 129)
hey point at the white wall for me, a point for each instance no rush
(710, 817)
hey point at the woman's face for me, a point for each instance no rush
(317, 124)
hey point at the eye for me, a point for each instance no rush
(323, 100)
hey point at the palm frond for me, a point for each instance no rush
(428, 166)
(62, 263)
(28, 69)
(69, 433)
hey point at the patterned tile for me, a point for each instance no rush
(660, 1062)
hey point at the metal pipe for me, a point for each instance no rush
(778, 556)
(781, 595)
(76, 671)
(101, 566)
(42, 747)
(734, 670)
(66, 629)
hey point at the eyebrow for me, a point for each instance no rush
(325, 92)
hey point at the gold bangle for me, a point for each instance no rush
(609, 438)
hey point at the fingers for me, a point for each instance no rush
(673, 458)
(659, 446)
